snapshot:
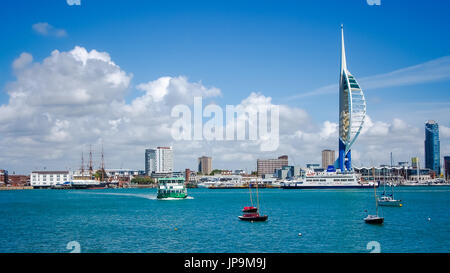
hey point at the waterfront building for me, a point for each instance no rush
(447, 167)
(124, 172)
(268, 166)
(4, 177)
(432, 147)
(159, 160)
(187, 175)
(18, 180)
(352, 112)
(46, 179)
(205, 165)
(395, 173)
(226, 172)
(123, 175)
(328, 158)
(288, 172)
(161, 175)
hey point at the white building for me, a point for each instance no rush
(159, 160)
(49, 178)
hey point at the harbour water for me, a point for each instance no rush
(133, 220)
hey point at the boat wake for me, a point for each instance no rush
(173, 199)
(146, 196)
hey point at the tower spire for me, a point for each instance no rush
(343, 57)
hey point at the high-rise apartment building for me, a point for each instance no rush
(205, 165)
(159, 160)
(328, 158)
(432, 147)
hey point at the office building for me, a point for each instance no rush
(205, 165)
(432, 147)
(268, 166)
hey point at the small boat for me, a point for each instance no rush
(374, 219)
(389, 201)
(251, 213)
(250, 209)
(253, 217)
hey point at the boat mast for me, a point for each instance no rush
(82, 163)
(103, 165)
(257, 196)
(90, 160)
(375, 190)
(250, 191)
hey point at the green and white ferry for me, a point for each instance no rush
(171, 188)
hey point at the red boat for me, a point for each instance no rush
(253, 217)
(250, 209)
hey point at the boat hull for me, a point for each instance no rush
(390, 203)
(172, 196)
(374, 221)
(254, 218)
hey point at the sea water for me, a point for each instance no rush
(133, 220)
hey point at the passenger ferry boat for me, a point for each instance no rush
(328, 180)
(171, 188)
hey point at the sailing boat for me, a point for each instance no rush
(251, 214)
(389, 200)
(374, 219)
(250, 209)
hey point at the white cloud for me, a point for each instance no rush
(73, 2)
(444, 131)
(46, 29)
(58, 106)
(21, 62)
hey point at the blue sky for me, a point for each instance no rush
(279, 48)
(282, 49)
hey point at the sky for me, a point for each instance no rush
(81, 73)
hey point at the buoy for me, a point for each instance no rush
(176, 229)
(429, 219)
(299, 234)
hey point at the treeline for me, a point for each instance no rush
(143, 180)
